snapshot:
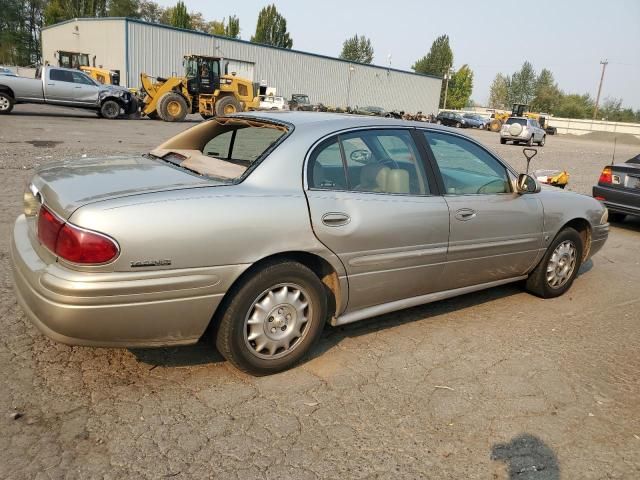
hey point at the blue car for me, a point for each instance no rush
(476, 121)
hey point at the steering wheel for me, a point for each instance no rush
(482, 188)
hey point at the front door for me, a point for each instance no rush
(85, 91)
(496, 233)
(371, 203)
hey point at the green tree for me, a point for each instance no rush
(59, 10)
(575, 106)
(547, 94)
(198, 23)
(357, 49)
(20, 24)
(124, 8)
(523, 84)
(272, 29)
(231, 29)
(499, 92)
(437, 62)
(460, 88)
(150, 11)
(180, 17)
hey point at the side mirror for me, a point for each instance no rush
(528, 184)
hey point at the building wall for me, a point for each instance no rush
(134, 47)
(104, 39)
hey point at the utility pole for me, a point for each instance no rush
(447, 76)
(604, 67)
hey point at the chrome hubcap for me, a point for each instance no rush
(561, 264)
(4, 103)
(277, 321)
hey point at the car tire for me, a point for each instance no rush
(559, 267)
(458, 124)
(503, 141)
(273, 299)
(542, 141)
(530, 141)
(6, 103)
(617, 217)
(110, 109)
(172, 107)
(227, 105)
(439, 122)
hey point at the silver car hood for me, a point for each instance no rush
(65, 186)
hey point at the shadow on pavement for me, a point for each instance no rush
(630, 223)
(527, 458)
(203, 352)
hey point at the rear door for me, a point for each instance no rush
(59, 86)
(373, 201)
(495, 233)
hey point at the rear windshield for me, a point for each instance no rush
(223, 148)
(521, 121)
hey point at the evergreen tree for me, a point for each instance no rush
(272, 29)
(180, 17)
(357, 49)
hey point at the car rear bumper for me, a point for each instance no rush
(119, 309)
(618, 200)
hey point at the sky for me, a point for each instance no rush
(569, 37)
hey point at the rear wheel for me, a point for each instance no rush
(227, 106)
(439, 122)
(557, 270)
(542, 141)
(6, 103)
(271, 321)
(503, 141)
(458, 124)
(530, 141)
(172, 107)
(110, 110)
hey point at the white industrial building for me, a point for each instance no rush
(133, 46)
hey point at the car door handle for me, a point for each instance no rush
(78, 86)
(50, 84)
(465, 214)
(335, 219)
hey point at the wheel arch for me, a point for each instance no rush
(583, 227)
(336, 291)
(8, 90)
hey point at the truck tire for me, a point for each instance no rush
(6, 103)
(110, 109)
(172, 107)
(227, 105)
(495, 125)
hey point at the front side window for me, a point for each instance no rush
(60, 75)
(82, 79)
(379, 161)
(466, 168)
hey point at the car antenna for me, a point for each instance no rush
(529, 153)
(613, 158)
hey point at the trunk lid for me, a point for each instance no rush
(68, 185)
(626, 175)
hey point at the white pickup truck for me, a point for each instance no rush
(66, 87)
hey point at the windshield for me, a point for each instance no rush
(223, 148)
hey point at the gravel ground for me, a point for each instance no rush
(497, 384)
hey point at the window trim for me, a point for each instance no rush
(431, 180)
(511, 174)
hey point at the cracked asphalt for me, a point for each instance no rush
(493, 385)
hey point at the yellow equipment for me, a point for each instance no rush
(203, 89)
(520, 110)
(80, 61)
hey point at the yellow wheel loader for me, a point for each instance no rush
(203, 89)
(81, 62)
(520, 110)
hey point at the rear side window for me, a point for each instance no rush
(378, 161)
(60, 76)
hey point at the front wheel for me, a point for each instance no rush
(617, 217)
(110, 110)
(271, 321)
(557, 270)
(542, 141)
(530, 141)
(458, 124)
(227, 105)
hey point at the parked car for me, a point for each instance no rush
(264, 235)
(476, 121)
(271, 102)
(300, 101)
(522, 130)
(7, 71)
(371, 110)
(618, 189)
(452, 119)
(67, 87)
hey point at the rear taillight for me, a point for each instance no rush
(605, 176)
(72, 243)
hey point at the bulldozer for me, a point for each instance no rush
(203, 89)
(520, 110)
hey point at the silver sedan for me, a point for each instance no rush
(263, 227)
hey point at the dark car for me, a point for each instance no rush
(370, 110)
(619, 189)
(300, 101)
(452, 119)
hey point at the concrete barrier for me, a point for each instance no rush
(582, 127)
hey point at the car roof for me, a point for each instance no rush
(325, 122)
